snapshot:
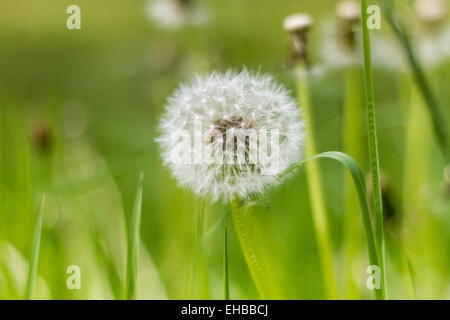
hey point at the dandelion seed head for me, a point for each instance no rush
(430, 11)
(296, 22)
(231, 107)
(341, 45)
(433, 36)
(176, 13)
(348, 10)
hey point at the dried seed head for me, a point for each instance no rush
(349, 11)
(349, 14)
(43, 137)
(298, 25)
(389, 209)
(431, 12)
(297, 22)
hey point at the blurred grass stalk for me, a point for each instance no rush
(419, 125)
(352, 139)
(131, 291)
(419, 236)
(33, 267)
(198, 287)
(373, 150)
(248, 250)
(439, 125)
(315, 189)
(226, 282)
(416, 176)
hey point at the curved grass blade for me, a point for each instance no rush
(32, 273)
(358, 179)
(226, 285)
(133, 242)
(248, 250)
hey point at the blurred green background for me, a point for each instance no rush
(78, 117)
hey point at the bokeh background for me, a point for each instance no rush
(78, 117)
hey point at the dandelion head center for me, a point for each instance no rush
(225, 125)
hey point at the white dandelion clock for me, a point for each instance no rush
(228, 136)
(176, 13)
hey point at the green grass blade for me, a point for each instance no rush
(32, 273)
(248, 250)
(226, 286)
(373, 147)
(133, 243)
(360, 185)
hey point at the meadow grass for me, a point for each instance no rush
(103, 88)
(34, 261)
(131, 289)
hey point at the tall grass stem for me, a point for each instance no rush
(131, 290)
(33, 267)
(373, 148)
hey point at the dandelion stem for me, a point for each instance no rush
(319, 213)
(133, 244)
(373, 149)
(248, 250)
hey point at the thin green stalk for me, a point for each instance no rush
(373, 148)
(133, 243)
(315, 190)
(226, 285)
(248, 250)
(198, 275)
(352, 137)
(360, 186)
(32, 272)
